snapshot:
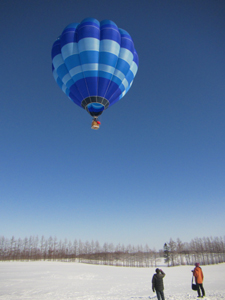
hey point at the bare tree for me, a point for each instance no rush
(173, 252)
(180, 251)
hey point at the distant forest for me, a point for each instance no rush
(207, 250)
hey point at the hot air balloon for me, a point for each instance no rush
(94, 63)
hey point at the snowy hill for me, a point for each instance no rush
(65, 280)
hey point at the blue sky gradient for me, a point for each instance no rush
(156, 167)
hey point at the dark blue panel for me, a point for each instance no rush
(56, 49)
(127, 43)
(103, 85)
(136, 59)
(106, 75)
(110, 34)
(81, 86)
(106, 23)
(74, 90)
(91, 21)
(114, 101)
(108, 59)
(88, 29)
(124, 33)
(72, 61)
(113, 87)
(71, 26)
(68, 37)
(115, 95)
(92, 84)
(89, 57)
(75, 99)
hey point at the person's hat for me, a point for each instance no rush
(197, 264)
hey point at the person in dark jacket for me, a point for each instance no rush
(157, 284)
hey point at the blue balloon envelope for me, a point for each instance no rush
(94, 63)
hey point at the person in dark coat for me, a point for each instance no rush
(157, 284)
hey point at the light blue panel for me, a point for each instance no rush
(90, 67)
(57, 61)
(110, 47)
(88, 44)
(72, 61)
(125, 83)
(119, 74)
(90, 74)
(75, 71)
(134, 68)
(106, 68)
(69, 49)
(66, 79)
(126, 55)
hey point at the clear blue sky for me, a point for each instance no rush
(149, 174)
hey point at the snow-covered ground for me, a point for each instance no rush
(65, 280)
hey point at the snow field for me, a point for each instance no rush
(48, 280)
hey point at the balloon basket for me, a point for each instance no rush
(94, 125)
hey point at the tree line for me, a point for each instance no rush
(35, 248)
(206, 251)
(203, 250)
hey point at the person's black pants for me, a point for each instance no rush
(200, 286)
(160, 295)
